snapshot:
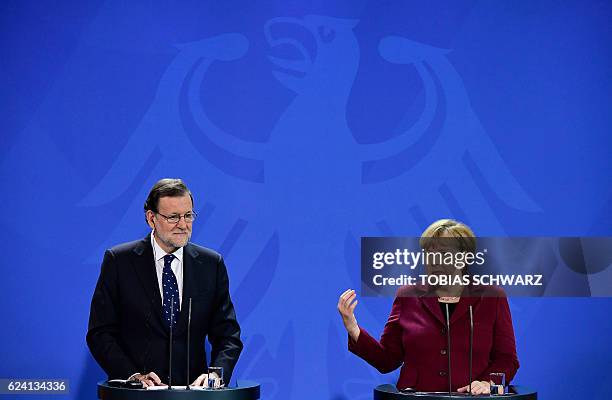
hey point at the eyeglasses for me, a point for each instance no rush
(174, 219)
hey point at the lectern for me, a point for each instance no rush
(390, 392)
(244, 390)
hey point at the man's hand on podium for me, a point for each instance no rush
(200, 380)
(478, 387)
(150, 379)
(203, 380)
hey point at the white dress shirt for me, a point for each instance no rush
(176, 266)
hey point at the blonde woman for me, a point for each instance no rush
(414, 337)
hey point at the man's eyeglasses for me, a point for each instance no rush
(174, 219)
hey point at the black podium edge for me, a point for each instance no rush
(253, 388)
(520, 393)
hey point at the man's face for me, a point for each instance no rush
(171, 236)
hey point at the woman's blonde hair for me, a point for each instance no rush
(464, 235)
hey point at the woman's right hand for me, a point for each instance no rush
(346, 307)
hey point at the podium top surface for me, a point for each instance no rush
(244, 390)
(390, 392)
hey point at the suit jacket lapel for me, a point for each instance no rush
(145, 269)
(463, 307)
(431, 303)
(190, 263)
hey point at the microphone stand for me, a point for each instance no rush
(188, 340)
(448, 345)
(471, 347)
(170, 351)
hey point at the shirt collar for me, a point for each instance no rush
(160, 253)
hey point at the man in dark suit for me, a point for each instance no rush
(145, 286)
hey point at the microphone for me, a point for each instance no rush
(188, 336)
(471, 348)
(448, 345)
(170, 350)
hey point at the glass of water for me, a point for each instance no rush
(498, 382)
(215, 378)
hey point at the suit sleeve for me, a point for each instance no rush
(224, 334)
(503, 357)
(103, 332)
(388, 354)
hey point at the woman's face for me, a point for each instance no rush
(441, 255)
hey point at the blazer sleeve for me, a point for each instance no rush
(103, 331)
(503, 357)
(224, 334)
(388, 354)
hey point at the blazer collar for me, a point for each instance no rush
(144, 265)
(433, 306)
(145, 269)
(191, 268)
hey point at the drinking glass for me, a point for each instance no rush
(215, 378)
(498, 382)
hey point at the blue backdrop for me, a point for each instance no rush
(300, 126)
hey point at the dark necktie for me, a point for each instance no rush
(170, 287)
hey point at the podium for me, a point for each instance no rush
(390, 392)
(244, 390)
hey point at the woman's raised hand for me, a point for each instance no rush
(346, 308)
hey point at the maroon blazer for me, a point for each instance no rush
(415, 339)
